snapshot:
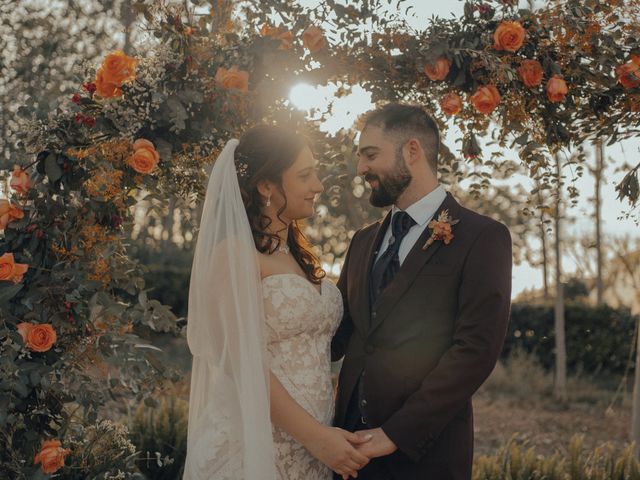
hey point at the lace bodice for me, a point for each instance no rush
(300, 324)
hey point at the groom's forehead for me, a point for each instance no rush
(372, 137)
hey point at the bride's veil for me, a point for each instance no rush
(229, 432)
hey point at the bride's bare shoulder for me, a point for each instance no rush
(266, 264)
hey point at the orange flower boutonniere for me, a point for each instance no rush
(441, 229)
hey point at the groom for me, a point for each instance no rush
(427, 297)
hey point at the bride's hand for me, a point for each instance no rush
(335, 448)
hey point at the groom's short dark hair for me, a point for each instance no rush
(405, 122)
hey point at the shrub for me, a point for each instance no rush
(160, 436)
(516, 462)
(598, 338)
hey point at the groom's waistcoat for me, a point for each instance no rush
(428, 342)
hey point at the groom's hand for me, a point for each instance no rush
(379, 445)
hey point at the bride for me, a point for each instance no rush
(260, 322)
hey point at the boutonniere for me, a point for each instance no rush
(441, 229)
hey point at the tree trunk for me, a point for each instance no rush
(598, 203)
(632, 269)
(635, 404)
(168, 222)
(127, 17)
(560, 383)
(543, 240)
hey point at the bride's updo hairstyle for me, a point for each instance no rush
(264, 153)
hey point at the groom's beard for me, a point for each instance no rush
(391, 186)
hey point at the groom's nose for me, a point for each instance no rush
(361, 168)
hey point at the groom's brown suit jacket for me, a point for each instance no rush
(429, 341)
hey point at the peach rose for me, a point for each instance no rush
(451, 103)
(486, 99)
(11, 271)
(439, 70)
(19, 180)
(629, 74)
(530, 72)
(313, 39)
(116, 69)
(38, 338)
(556, 89)
(233, 78)
(509, 36)
(441, 231)
(51, 456)
(144, 158)
(8, 212)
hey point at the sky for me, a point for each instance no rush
(347, 109)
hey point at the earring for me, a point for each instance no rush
(269, 201)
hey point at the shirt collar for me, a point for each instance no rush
(425, 208)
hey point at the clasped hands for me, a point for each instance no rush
(355, 450)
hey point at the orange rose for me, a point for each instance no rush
(11, 271)
(8, 212)
(286, 40)
(451, 103)
(119, 68)
(38, 338)
(51, 456)
(531, 73)
(104, 88)
(145, 157)
(486, 99)
(23, 329)
(439, 70)
(268, 31)
(286, 37)
(116, 69)
(556, 89)
(233, 78)
(629, 73)
(509, 36)
(19, 180)
(313, 39)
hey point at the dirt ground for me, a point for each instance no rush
(546, 426)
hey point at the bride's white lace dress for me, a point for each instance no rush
(300, 324)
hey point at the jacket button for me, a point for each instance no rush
(369, 348)
(374, 315)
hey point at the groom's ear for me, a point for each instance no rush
(413, 151)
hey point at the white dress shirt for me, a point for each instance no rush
(422, 212)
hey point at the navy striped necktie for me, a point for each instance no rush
(389, 263)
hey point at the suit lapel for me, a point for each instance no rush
(414, 262)
(370, 251)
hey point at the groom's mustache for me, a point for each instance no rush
(369, 176)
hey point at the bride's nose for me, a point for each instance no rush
(318, 187)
